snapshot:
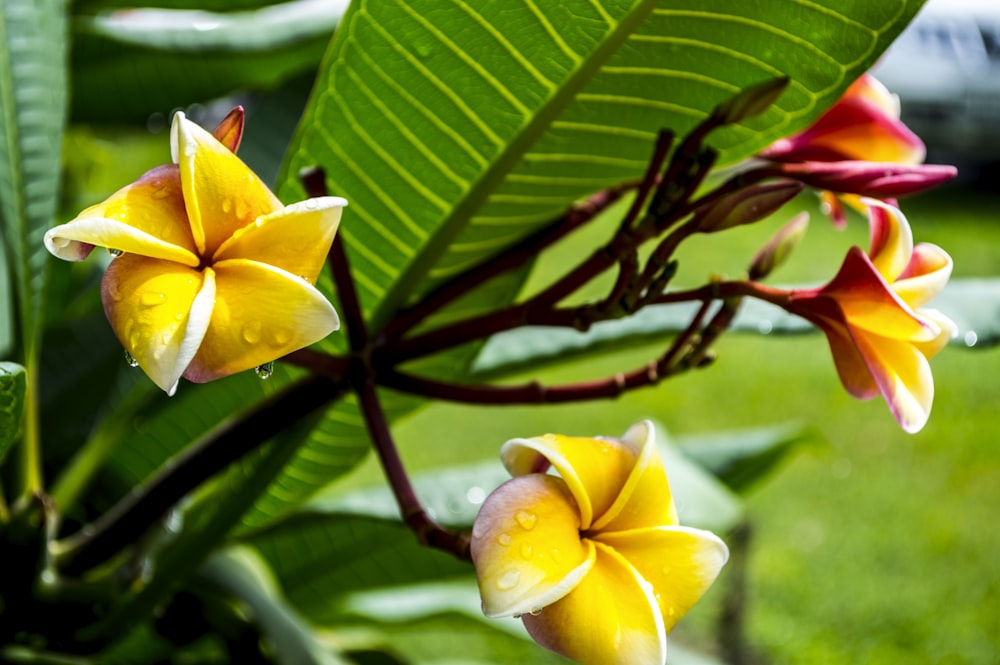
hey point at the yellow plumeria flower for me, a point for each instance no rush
(213, 274)
(593, 559)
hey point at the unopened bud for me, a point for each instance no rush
(750, 101)
(745, 206)
(779, 247)
(876, 179)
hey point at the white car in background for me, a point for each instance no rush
(945, 67)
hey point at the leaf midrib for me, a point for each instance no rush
(465, 207)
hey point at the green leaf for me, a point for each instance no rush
(319, 557)
(13, 382)
(241, 572)
(974, 305)
(490, 120)
(130, 65)
(32, 115)
(742, 458)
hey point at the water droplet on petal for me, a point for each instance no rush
(475, 495)
(264, 371)
(227, 205)
(508, 580)
(526, 550)
(666, 570)
(556, 555)
(115, 252)
(765, 327)
(251, 332)
(279, 337)
(526, 519)
(152, 298)
(535, 612)
(504, 539)
(311, 204)
(132, 362)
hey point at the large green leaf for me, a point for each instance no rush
(131, 64)
(32, 115)
(12, 386)
(456, 129)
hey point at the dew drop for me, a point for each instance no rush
(504, 539)
(971, 338)
(251, 332)
(475, 495)
(280, 337)
(227, 205)
(556, 555)
(152, 298)
(535, 612)
(311, 204)
(526, 519)
(666, 570)
(671, 611)
(130, 359)
(115, 252)
(765, 327)
(264, 371)
(508, 580)
(526, 550)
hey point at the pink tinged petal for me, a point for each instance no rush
(296, 238)
(145, 218)
(869, 303)
(526, 546)
(595, 469)
(610, 618)
(645, 498)
(891, 239)
(159, 310)
(261, 313)
(903, 376)
(680, 563)
(926, 275)
(852, 368)
(221, 194)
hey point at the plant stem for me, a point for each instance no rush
(428, 531)
(228, 442)
(31, 443)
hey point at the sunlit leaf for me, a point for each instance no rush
(32, 115)
(12, 387)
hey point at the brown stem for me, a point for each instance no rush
(428, 531)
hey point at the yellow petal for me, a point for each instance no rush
(681, 563)
(891, 239)
(149, 303)
(903, 376)
(296, 238)
(925, 277)
(261, 313)
(645, 499)
(145, 218)
(220, 193)
(595, 469)
(526, 545)
(610, 618)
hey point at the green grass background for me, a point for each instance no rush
(880, 547)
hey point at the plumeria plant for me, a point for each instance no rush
(194, 509)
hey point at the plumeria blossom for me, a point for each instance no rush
(213, 274)
(859, 147)
(872, 313)
(593, 559)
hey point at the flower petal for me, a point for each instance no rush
(868, 302)
(261, 313)
(595, 469)
(645, 498)
(229, 131)
(680, 562)
(296, 238)
(891, 239)
(221, 194)
(611, 617)
(925, 276)
(145, 218)
(903, 376)
(159, 311)
(526, 545)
